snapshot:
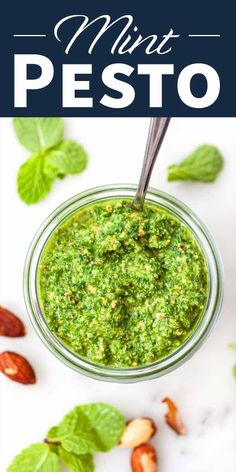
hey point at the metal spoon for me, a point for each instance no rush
(156, 133)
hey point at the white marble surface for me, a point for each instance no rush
(204, 387)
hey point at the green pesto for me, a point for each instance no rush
(120, 287)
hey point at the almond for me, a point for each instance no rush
(144, 459)
(10, 325)
(138, 431)
(16, 368)
(173, 418)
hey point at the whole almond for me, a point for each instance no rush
(144, 459)
(16, 368)
(10, 324)
(138, 431)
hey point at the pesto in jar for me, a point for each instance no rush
(120, 287)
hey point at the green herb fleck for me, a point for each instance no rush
(232, 346)
(53, 158)
(234, 371)
(204, 165)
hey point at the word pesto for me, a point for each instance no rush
(77, 79)
(120, 287)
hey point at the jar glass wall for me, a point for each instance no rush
(201, 330)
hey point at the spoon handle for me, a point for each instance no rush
(156, 133)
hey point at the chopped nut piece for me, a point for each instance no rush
(141, 324)
(91, 289)
(148, 266)
(173, 417)
(141, 233)
(109, 208)
(179, 332)
(183, 247)
(153, 238)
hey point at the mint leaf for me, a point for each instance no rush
(107, 421)
(90, 428)
(204, 164)
(38, 134)
(77, 463)
(66, 158)
(36, 458)
(75, 435)
(32, 184)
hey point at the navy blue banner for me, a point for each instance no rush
(121, 58)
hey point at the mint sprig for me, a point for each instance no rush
(53, 157)
(84, 430)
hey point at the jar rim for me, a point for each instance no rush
(200, 331)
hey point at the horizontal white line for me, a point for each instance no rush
(29, 35)
(204, 35)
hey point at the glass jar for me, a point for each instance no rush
(201, 330)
